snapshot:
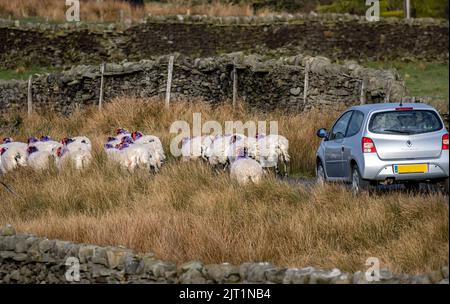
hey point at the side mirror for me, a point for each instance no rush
(322, 133)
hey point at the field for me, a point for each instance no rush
(189, 212)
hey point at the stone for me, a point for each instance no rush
(222, 273)
(298, 276)
(195, 265)
(192, 276)
(276, 275)
(116, 257)
(86, 252)
(45, 245)
(21, 244)
(324, 277)
(295, 91)
(155, 268)
(345, 278)
(257, 272)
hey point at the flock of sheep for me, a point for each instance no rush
(247, 158)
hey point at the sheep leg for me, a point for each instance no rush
(277, 171)
(286, 168)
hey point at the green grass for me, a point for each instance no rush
(427, 80)
(22, 73)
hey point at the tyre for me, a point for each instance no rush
(358, 183)
(443, 185)
(320, 174)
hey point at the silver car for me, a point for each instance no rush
(385, 143)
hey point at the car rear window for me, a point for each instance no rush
(405, 122)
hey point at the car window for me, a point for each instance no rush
(340, 126)
(355, 123)
(405, 122)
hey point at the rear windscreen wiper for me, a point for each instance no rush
(398, 131)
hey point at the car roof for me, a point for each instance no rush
(368, 108)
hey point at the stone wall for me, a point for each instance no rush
(29, 259)
(335, 36)
(265, 85)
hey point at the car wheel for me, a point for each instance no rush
(358, 184)
(443, 185)
(320, 174)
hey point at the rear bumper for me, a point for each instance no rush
(376, 169)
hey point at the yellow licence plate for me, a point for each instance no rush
(417, 168)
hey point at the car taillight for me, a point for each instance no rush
(404, 109)
(368, 146)
(445, 142)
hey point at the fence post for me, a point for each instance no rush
(169, 81)
(362, 97)
(306, 84)
(387, 97)
(102, 83)
(407, 9)
(29, 97)
(234, 83)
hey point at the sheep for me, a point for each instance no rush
(191, 148)
(36, 159)
(151, 141)
(80, 158)
(77, 143)
(12, 156)
(268, 150)
(245, 169)
(131, 155)
(216, 153)
(45, 143)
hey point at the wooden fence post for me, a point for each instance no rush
(387, 95)
(30, 97)
(306, 84)
(102, 84)
(169, 81)
(407, 9)
(362, 97)
(234, 84)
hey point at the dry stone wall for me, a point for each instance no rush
(335, 36)
(26, 258)
(262, 84)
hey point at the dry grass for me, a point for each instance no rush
(109, 10)
(189, 212)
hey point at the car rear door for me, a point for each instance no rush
(334, 147)
(352, 142)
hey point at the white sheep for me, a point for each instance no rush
(79, 158)
(217, 152)
(191, 148)
(13, 155)
(152, 141)
(77, 143)
(36, 159)
(268, 150)
(245, 169)
(44, 144)
(130, 156)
